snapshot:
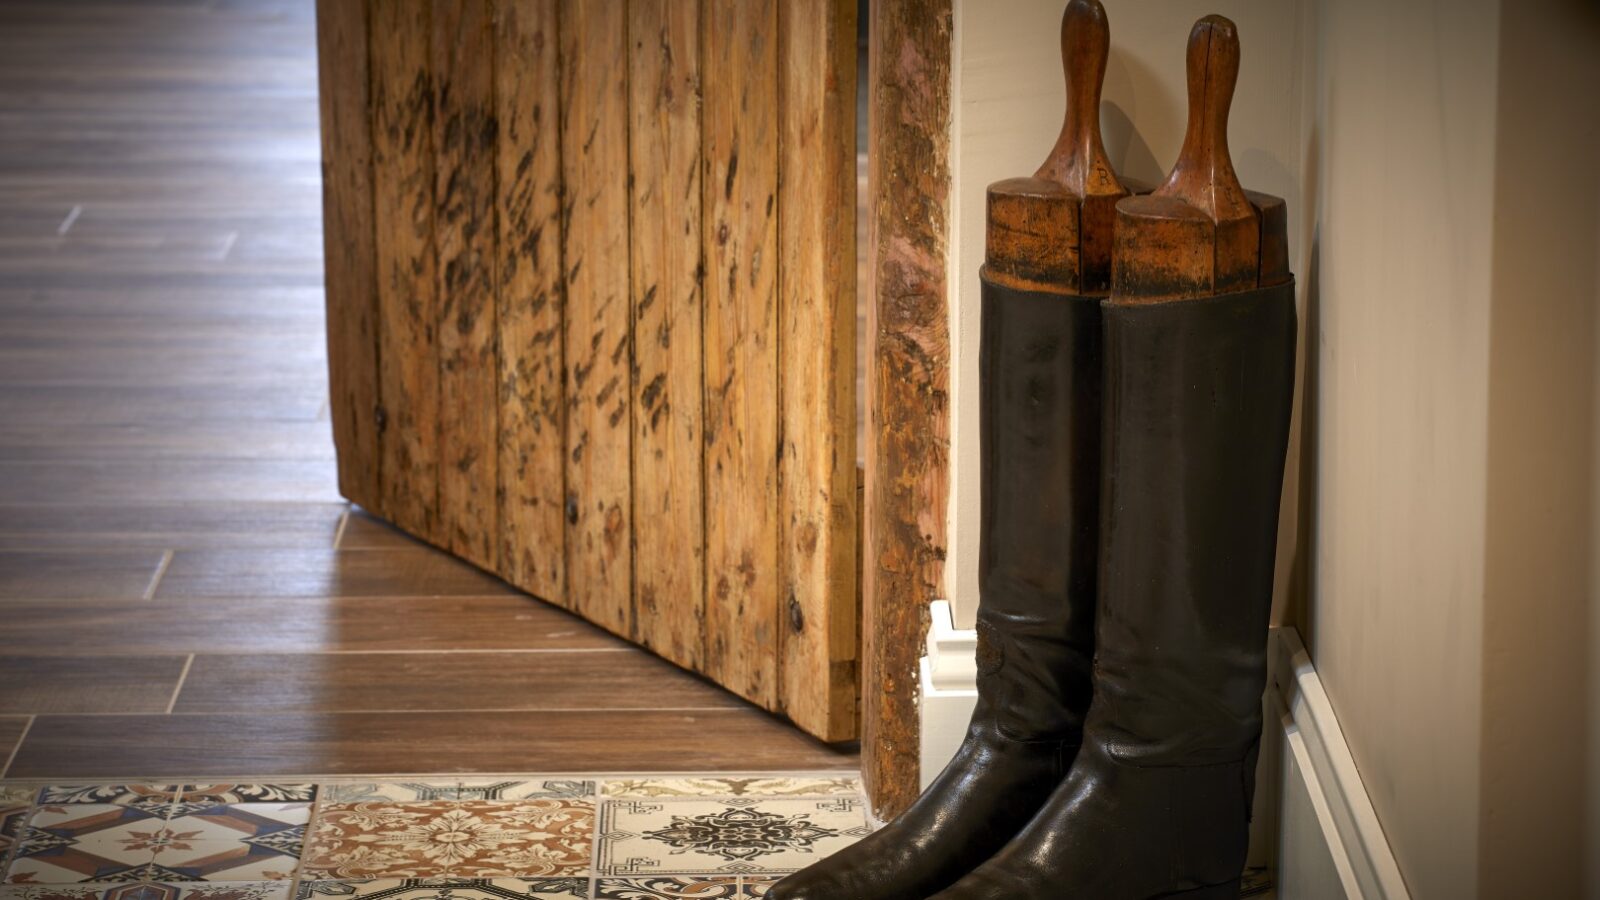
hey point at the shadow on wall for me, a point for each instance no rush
(1541, 647)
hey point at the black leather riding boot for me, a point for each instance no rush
(1198, 396)
(1040, 422)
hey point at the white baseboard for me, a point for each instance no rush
(949, 689)
(1314, 823)
(1332, 844)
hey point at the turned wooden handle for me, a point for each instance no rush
(1085, 46)
(1201, 200)
(1078, 160)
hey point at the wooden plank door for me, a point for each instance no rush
(591, 304)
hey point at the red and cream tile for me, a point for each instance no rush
(462, 838)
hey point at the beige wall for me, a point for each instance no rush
(1441, 539)
(1401, 307)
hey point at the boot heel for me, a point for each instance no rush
(1227, 891)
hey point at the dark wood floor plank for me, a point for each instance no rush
(11, 731)
(77, 574)
(136, 481)
(292, 625)
(88, 684)
(400, 572)
(79, 441)
(178, 526)
(365, 531)
(376, 743)
(589, 679)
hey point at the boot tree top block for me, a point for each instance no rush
(1079, 165)
(1150, 265)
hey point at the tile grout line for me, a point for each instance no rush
(12, 757)
(161, 571)
(72, 216)
(177, 689)
(344, 522)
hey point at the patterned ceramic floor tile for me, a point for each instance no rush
(447, 889)
(232, 841)
(730, 835)
(148, 890)
(674, 887)
(501, 789)
(464, 838)
(734, 786)
(15, 802)
(400, 791)
(247, 793)
(153, 797)
(69, 842)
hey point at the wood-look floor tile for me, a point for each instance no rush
(377, 743)
(293, 625)
(77, 574)
(11, 731)
(134, 481)
(623, 680)
(272, 441)
(43, 405)
(88, 684)
(180, 526)
(365, 531)
(400, 572)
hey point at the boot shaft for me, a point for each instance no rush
(1040, 416)
(1198, 396)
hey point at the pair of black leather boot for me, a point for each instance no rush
(1133, 450)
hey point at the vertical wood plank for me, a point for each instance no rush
(594, 162)
(816, 272)
(530, 299)
(908, 446)
(664, 159)
(464, 238)
(403, 203)
(739, 111)
(348, 244)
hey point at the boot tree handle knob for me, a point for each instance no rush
(1078, 158)
(1197, 233)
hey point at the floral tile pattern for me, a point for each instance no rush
(69, 842)
(447, 889)
(733, 786)
(674, 887)
(366, 792)
(737, 835)
(501, 789)
(465, 838)
(154, 797)
(715, 836)
(148, 890)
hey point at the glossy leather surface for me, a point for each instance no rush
(1198, 397)
(1040, 422)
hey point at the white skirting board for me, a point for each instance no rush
(1314, 824)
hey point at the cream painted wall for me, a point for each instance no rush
(1441, 530)
(1400, 310)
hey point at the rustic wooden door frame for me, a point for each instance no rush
(908, 378)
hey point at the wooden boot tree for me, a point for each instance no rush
(1053, 231)
(1200, 232)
